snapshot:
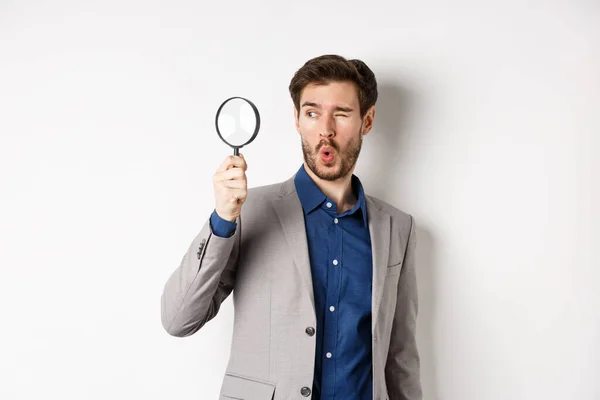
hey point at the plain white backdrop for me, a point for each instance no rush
(487, 131)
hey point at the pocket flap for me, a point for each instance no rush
(393, 269)
(246, 388)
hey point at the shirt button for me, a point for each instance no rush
(328, 205)
(328, 355)
(310, 331)
(332, 308)
(335, 221)
(305, 391)
(335, 262)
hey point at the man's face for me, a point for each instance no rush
(331, 128)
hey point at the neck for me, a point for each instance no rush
(340, 190)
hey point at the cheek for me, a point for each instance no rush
(307, 127)
(307, 123)
(348, 127)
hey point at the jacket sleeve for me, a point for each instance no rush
(205, 277)
(402, 370)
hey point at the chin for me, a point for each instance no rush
(328, 172)
(329, 166)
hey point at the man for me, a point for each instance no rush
(323, 275)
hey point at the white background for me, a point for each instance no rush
(486, 131)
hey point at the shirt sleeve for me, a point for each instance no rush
(221, 227)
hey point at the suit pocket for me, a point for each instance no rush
(393, 269)
(237, 387)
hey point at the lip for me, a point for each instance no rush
(326, 149)
(327, 159)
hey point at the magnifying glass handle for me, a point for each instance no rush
(236, 152)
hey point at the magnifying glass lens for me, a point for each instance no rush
(237, 122)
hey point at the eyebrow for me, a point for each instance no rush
(337, 108)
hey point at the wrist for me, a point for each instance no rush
(225, 216)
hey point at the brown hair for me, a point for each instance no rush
(333, 68)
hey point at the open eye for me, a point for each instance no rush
(311, 114)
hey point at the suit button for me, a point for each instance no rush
(310, 331)
(305, 391)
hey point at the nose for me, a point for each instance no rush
(327, 128)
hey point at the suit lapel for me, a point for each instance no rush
(379, 230)
(291, 216)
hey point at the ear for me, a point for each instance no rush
(368, 120)
(296, 122)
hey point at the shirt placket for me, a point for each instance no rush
(334, 264)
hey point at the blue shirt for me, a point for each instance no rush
(339, 247)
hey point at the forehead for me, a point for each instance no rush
(331, 94)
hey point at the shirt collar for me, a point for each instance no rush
(312, 197)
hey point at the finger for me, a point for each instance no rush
(233, 184)
(225, 164)
(230, 176)
(238, 195)
(233, 173)
(232, 161)
(239, 162)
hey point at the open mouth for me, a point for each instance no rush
(327, 154)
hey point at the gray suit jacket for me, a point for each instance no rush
(266, 265)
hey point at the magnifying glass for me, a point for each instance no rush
(237, 122)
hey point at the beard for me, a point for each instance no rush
(343, 163)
